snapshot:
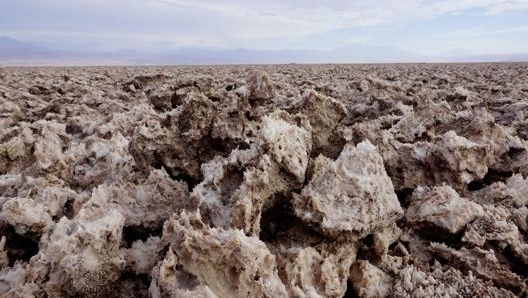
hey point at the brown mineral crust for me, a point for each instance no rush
(26, 215)
(381, 242)
(483, 264)
(80, 257)
(11, 277)
(162, 98)
(189, 135)
(497, 228)
(405, 163)
(415, 250)
(289, 141)
(170, 280)
(4, 259)
(309, 264)
(512, 193)
(148, 203)
(15, 149)
(315, 272)
(520, 216)
(325, 114)
(506, 152)
(457, 160)
(350, 197)
(236, 189)
(411, 282)
(156, 144)
(441, 207)
(369, 281)
(230, 263)
(142, 256)
(260, 87)
(98, 160)
(264, 180)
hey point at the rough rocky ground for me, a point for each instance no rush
(264, 181)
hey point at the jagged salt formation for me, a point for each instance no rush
(264, 181)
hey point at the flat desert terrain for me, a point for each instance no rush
(387, 180)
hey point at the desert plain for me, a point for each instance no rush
(383, 180)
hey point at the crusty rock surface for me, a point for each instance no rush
(441, 207)
(170, 280)
(350, 197)
(227, 261)
(369, 281)
(319, 271)
(264, 181)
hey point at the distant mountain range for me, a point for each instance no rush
(16, 52)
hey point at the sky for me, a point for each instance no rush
(427, 27)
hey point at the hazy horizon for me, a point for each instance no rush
(425, 29)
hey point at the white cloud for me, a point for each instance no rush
(227, 22)
(481, 32)
(502, 6)
(318, 16)
(242, 20)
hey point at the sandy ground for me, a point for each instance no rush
(264, 181)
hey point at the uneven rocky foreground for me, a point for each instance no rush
(264, 181)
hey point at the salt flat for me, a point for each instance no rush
(383, 180)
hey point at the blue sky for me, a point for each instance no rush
(428, 27)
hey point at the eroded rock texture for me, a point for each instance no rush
(264, 181)
(351, 197)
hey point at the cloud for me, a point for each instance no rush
(317, 16)
(278, 18)
(223, 23)
(502, 6)
(481, 32)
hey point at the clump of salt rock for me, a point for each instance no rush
(264, 181)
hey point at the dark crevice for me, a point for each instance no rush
(369, 240)
(215, 98)
(157, 160)
(251, 117)
(475, 185)
(188, 179)
(230, 182)
(222, 146)
(176, 100)
(180, 176)
(332, 151)
(134, 233)
(515, 263)
(515, 152)
(230, 87)
(436, 234)
(185, 121)
(404, 196)
(174, 174)
(73, 128)
(366, 249)
(350, 292)
(393, 245)
(463, 266)
(131, 283)
(491, 177)
(160, 104)
(225, 146)
(18, 247)
(68, 208)
(276, 219)
(167, 121)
